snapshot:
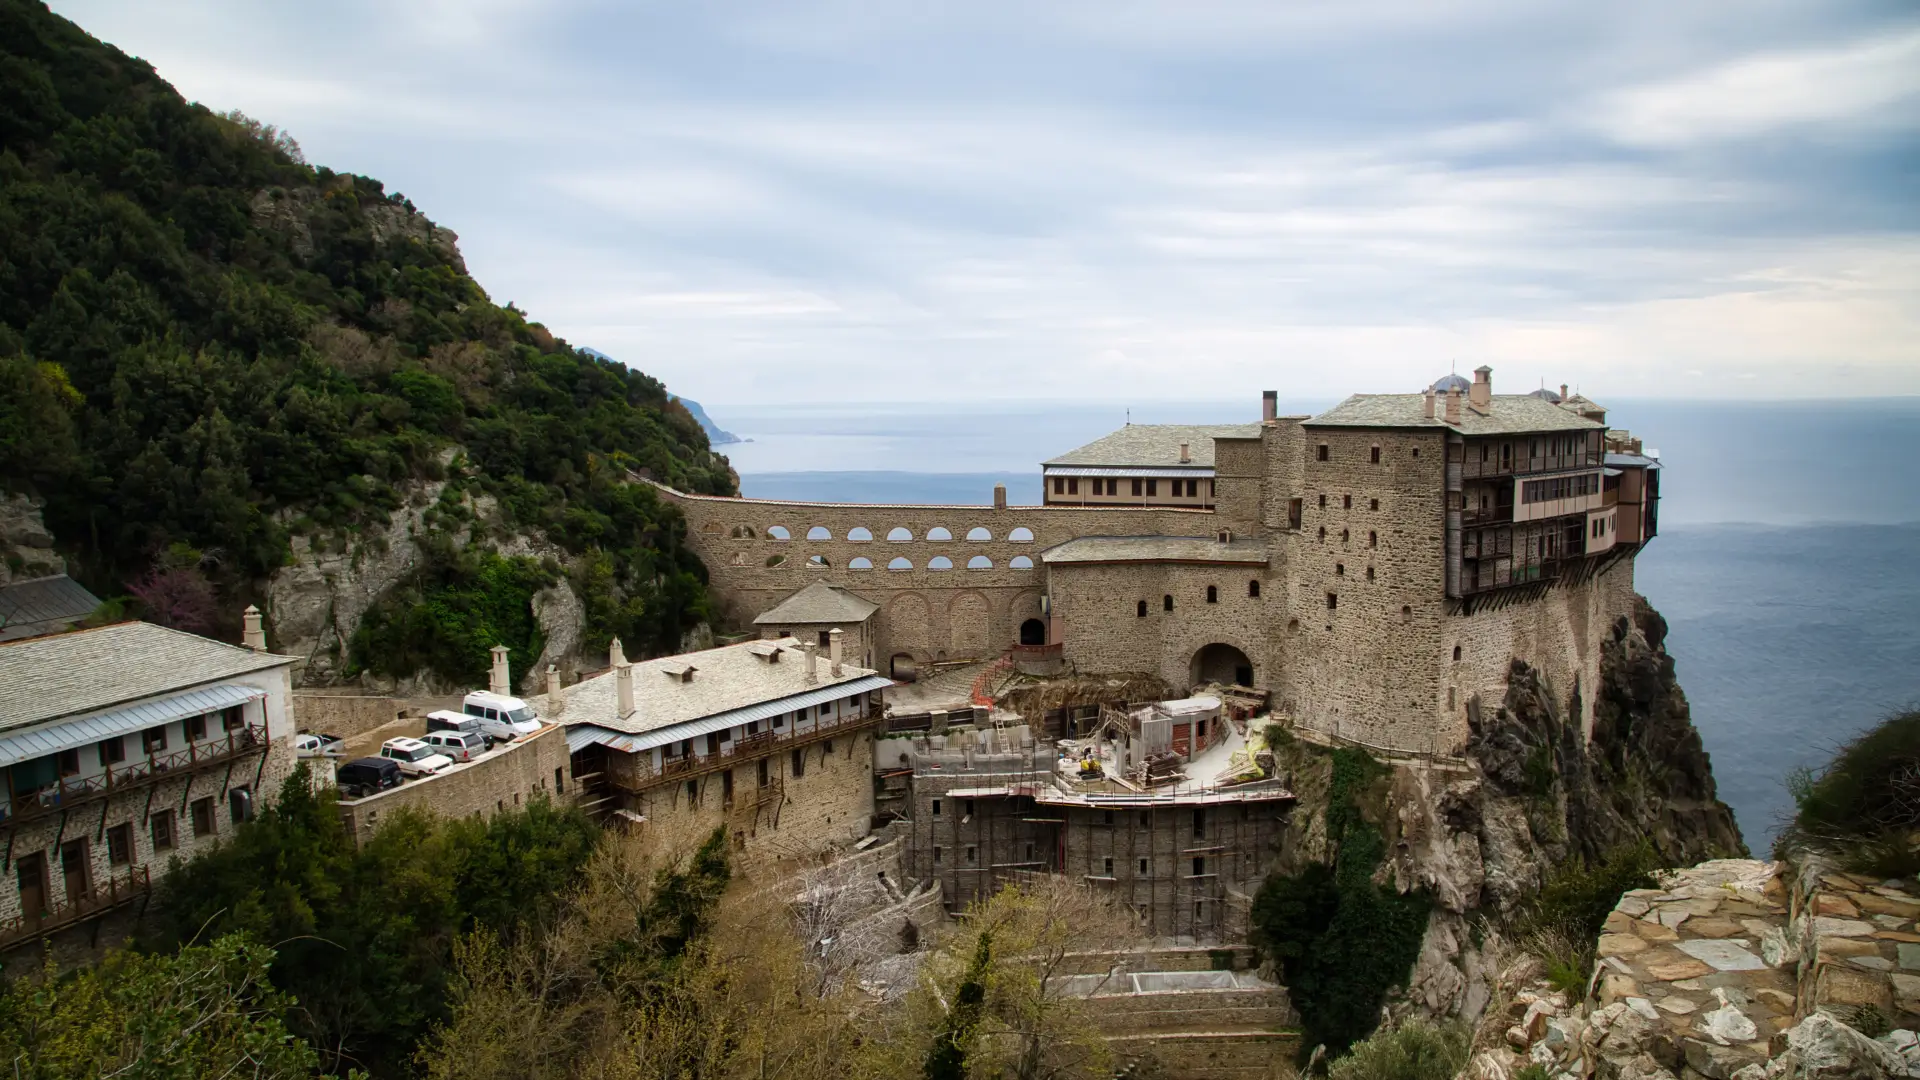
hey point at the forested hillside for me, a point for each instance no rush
(210, 349)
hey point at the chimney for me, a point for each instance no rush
(833, 651)
(556, 704)
(498, 681)
(1453, 405)
(623, 687)
(1481, 395)
(252, 634)
(999, 496)
(1269, 405)
(1563, 391)
(1427, 408)
(1186, 458)
(615, 657)
(812, 650)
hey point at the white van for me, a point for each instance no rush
(502, 718)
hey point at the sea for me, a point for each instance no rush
(1787, 565)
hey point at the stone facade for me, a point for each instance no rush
(503, 780)
(1353, 631)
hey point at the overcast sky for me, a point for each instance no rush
(1110, 200)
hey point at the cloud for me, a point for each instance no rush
(832, 201)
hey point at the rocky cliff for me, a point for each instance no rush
(1480, 834)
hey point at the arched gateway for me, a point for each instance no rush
(1220, 663)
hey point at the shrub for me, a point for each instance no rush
(1416, 1050)
(1561, 923)
(1864, 806)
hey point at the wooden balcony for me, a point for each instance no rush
(120, 888)
(71, 792)
(635, 772)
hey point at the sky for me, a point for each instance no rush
(1069, 200)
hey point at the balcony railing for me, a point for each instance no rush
(72, 791)
(632, 772)
(119, 888)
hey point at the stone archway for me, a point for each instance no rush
(1033, 632)
(903, 667)
(1220, 663)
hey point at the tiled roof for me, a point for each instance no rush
(62, 675)
(1187, 549)
(724, 679)
(818, 603)
(43, 605)
(1507, 414)
(1156, 446)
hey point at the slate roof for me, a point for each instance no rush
(63, 675)
(818, 603)
(1184, 549)
(1508, 414)
(1156, 446)
(43, 605)
(725, 679)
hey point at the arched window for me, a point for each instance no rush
(1140, 610)
(979, 562)
(819, 532)
(859, 534)
(1456, 654)
(1021, 535)
(898, 563)
(1406, 613)
(1345, 535)
(1166, 602)
(1369, 573)
(776, 560)
(743, 532)
(978, 534)
(860, 562)
(1323, 534)
(939, 532)
(778, 532)
(1293, 625)
(817, 562)
(939, 562)
(898, 535)
(1213, 594)
(1020, 562)
(1373, 538)
(1339, 569)
(1253, 587)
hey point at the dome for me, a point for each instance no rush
(1452, 382)
(1545, 394)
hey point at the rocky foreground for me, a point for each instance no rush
(1734, 969)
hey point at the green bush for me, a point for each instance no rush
(1863, 807)
(1416, 1050)
(1561, 924)
(1340, 940)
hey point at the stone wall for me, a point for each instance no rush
(534, 765)
(345, 715)
(1097, 615)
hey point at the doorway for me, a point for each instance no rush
(903, 668)
(1221, 663)
(30, 873)
(1033, 632)
(73, 869)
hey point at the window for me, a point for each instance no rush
(1199, 824)
(1323, 500)
(1213, 594)
(1406, 613)
(1373, 538)
(1143, 866)
(1199, 870)
(1369, 573)
(753, 728)
(233, 719)
(1166, 602)
(1137, 482)
(936, 808)
(781, 720)
(161, 826)
(67, 762)
(1376, 455)
(819, 532)
(1456, 654)
(1021, 535)
(1140, 610)
(1106, 817)
(799, 767)
(898, 535)
(1153, 488)
(1253, 587)
(112, 751)
(196, 728)
(1106, 866)
(559, 782)
(1346, 502)
(1373, 504)
(979, 562)
(1323, 534)
(1323, 452)
(153, 740)
(1073, 485)
(1333, 601)
(240, 804)
(939, 562)
(939, 532)
(203, 816)
(969, 855)
(761, 772)
(1060, 485)
(1339, 569)
(826, 710)
(1346, 535)
(693, 793)
(1293, 513)
(969, 807)
(120, 844)
(826, 748)
(726, 788)
(713, 742)
(936, 855)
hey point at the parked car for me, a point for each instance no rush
(308, 745)
(502, 718)
(448, 720)
(457, 745)
(366, 776)
(414, 757)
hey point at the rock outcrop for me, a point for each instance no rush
(26, 547)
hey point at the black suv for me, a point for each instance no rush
(366, 776)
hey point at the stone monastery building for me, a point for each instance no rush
(1371, 569)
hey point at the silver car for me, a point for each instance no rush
(458, 745)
